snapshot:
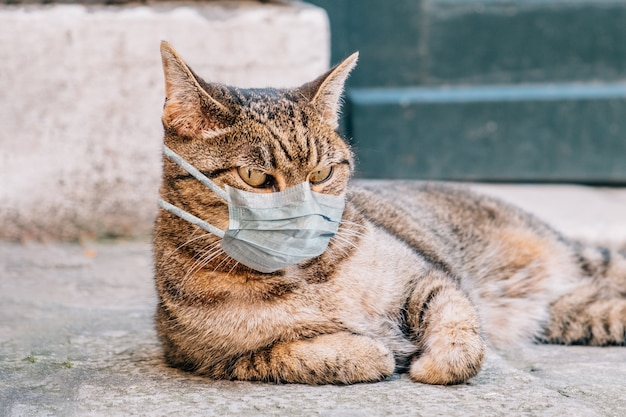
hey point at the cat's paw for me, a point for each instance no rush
(340, 358)
(375, 361)
(450, 356)
(581, 317)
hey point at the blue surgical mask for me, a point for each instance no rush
(269, 231)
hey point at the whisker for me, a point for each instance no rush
(349, 230)
(351, 233)
(197, 266)
(187, 243)
(231, 269)
(354, 224)
(343, 250)
(342, 244)
(344, 240)
(203, 259)
(201, 254)
(227, 258)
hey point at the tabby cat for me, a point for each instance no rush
(411, 277)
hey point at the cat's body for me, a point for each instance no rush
(419, 277)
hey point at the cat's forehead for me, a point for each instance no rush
(280, 127)
(269, 104)
(249, 96)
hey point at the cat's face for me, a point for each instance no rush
(278, 140)
(259, 140)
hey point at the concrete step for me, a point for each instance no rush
(536, 133)
(520, 41)
(81, 95)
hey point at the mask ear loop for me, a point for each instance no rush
(185, 215)
(174, 157)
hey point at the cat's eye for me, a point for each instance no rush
(319, 176)
(253, 177)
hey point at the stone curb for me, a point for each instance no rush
(81, 90)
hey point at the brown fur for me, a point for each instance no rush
(419, 278)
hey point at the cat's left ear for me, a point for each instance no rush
(193, 107)
(325, 92)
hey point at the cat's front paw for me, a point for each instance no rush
(339, 358)
(451, 356)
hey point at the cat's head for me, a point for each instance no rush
(259, 140)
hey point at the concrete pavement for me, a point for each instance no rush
(77, 339)
(76, 328)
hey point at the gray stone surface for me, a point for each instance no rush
(81, 90)
(77, 339)
(81, 95)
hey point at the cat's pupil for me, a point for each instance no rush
(254, 177)
(318, 177)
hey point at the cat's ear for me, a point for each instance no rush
(325, 92)
(190, 108)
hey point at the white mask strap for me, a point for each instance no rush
(191, 218)
(174, 157)
(205, 181)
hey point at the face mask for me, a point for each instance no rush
(268, 231)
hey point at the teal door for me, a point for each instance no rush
(491, 90)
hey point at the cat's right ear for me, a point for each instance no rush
(189, 109)
(325, 91)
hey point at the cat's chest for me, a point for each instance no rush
(375, 280)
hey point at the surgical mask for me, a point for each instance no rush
(268, 231)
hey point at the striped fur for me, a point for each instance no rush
(419, 279)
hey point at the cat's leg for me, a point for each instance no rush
(338, 358)
(445, 327)
(593, 313)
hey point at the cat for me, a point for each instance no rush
(419, 278)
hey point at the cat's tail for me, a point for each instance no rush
(594, 312)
